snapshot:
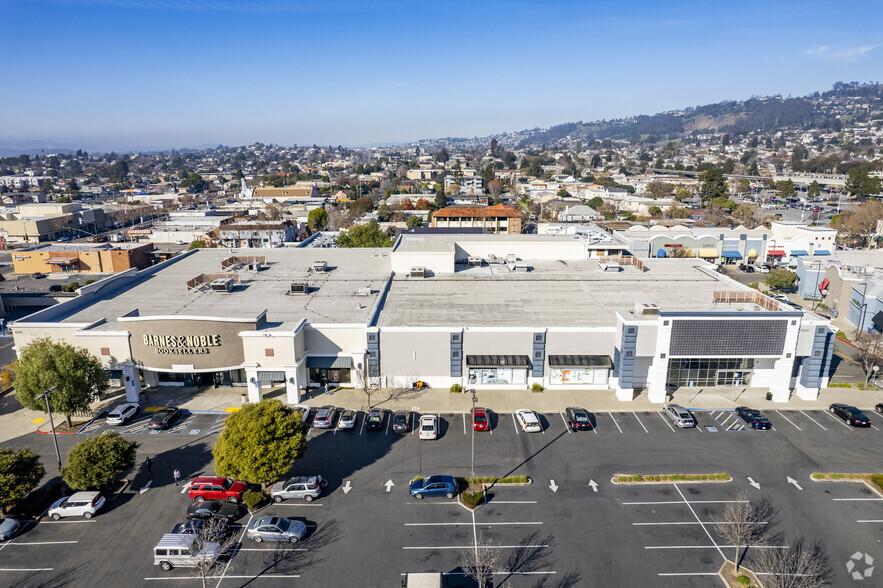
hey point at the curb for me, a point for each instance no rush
(645, 482)
(853, 480)
(720, 574)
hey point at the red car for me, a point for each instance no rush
(480, 421)
(216, 488)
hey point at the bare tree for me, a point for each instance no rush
(367, 384)
(745, 521)
(804, 564)
(480, 562)
(213, 540)
(869, 348)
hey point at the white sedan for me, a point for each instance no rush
(428, 427)
(528, 420)
(123, 413)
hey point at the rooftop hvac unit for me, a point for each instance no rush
(610, 266)
(646, 308)
(222, 285)
(364, 291)
(519, 266)
(511, 258)
(255, 266)
(320, 266)
(418, 271)
(474, 261)
(299, 288)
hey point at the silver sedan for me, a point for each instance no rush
(276, 529)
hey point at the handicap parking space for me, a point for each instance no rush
(715, 420)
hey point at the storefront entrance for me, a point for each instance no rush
(331, 370)
(225, 378)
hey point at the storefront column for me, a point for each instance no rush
(292, 385)
(151, 378)
(780, 382)
(656, 378)
(132, 382)
(254, 385)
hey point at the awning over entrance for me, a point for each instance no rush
(878, 321)
(489, 361)
(593, 361)
(776, 252)
(271, 376)
(331, 362)
(821, 252)
(708, 252)
(731, 254)
(798, 252)
(660, 253)
(62, 260)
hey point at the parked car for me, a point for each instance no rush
(347, 419)
(38, 275)
(79, 504)
(744, 267)
(428, 427)
(577, 418)
(163, 419)
(212, 509)
(216, 532)
(184, 551)
(433, 486)
(753, 417)
(324, 417)
(528, 420)
(8, 528)
(401, 421)
(275, 529)
(480, 420)
(303, 410)
(374, 420)
(763, 269)
(55, 288)
(306, 487)
(123, 413)
(851, 415)
(679, 415)
(216, 488)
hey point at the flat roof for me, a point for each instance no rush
(332, 299)
(437, 242)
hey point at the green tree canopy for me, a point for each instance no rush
(76, 374)
(597, 202)
(415, 221)
(198, 244)
(194, 183)
(260, 442)
(859, 183)
(118, 171)
(20, 472)
(814, 190)
(785, 188)
(713, 184)
(367, 235)
(98, 461)
(780, 279)
(317, 219)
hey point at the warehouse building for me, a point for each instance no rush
(483, 311)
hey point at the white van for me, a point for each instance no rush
(183, 551)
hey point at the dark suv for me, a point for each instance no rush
(163, 419)
(578, 418)
(374, 420)
(400, 422)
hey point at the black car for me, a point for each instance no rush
(374, 420)
(400, 422)
(753, 417)
(577, 418)
(216, 532)
(851, 415)
(213, 509)
(163, 419)
(879, 407)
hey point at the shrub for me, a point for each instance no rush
(537, 387)
(744, 580)
(753, 285)
(253, 500)
(877, 479)
(861, 385)
(841, 335)
(472, 499)
(456, 388)
(89, 282)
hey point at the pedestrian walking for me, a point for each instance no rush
(326, 389)
(148, 463)
(177, 475)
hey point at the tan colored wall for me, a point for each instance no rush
(580, 342)
(228, 353)
(332, 341)
(97, 261)
(284, 351)
(415, 353)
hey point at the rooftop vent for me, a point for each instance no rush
(474, 261)
(364, 291)
(299, 288)
(610, 266)
(417, 271)
(222, 285)
(511, 258)
(320, 266)
(256, 266)
(646, 308)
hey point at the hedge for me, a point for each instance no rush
(637, 478)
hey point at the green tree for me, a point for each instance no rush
(118, 171)
(785, 188)
(20, 472)
(97, 461)
(440, 199)
(859, 183)
(596, 161)
(780, 279)
(659, 189)
(367, 235)
(414, 221)
(814, 190)
(597, 202)
(488, 175)
(655, 211)
(713, 184)
(317, 219)
(198, 244)
(77, 375)
(442, 156)
(194, 183)
(260, 442)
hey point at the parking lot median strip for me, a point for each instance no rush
(872, 481)
(668, 478)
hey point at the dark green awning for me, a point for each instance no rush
(331, 362)
(592, 361)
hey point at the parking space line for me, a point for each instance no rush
(514, 422)
(812, 419)
(239, 544)
(870, 521)
(642, 424)
(614, 422)
(663, 417)
(566, 426)
(697, 523)
(724, 423)
(413, 422)
(41, 542)
(713, 546)
(511, 502)
(479, 524)
(365, 418)
(789, 420)
(388, 421)
(839, 420)
(65, 522)
(29, 570)
(306, 504)
(181, 427)
(477, 547)
(464, 423)
(269, 550)
(687, 574)
(697, 518)
(215, 429)
(857, 499)
(222, 577)
(682, 502)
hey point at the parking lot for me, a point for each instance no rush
(569, 527)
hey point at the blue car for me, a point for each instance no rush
(753, 417)
(433, 486)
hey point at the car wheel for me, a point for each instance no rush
(165, 565)
(850, 422)
(258, 539)
(233, 499)
(277, 498)
(199, 499)
(308, 498)
(56, 516)
(449, 494)
(832, 409)
(292, 539)
(418, 496)
(87, 515)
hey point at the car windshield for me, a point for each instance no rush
(228, 483)
(479, 418)
(684, 415)
(580, 417)
(283, 524)
(428, 426)
(374, 418)
(400, 418)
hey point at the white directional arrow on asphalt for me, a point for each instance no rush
(753, 483)
(389, 485)
(347, 487)
(553, 485)
(594, 485)
(146, 487)
(793, 481)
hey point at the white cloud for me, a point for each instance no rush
(840, 54)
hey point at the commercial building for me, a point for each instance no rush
(484, 311)
(85, 258)
(499, 218)
(36, 223)
(286, 193)
(256, 233)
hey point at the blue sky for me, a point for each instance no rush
(175, 73)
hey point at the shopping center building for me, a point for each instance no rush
(482, 311)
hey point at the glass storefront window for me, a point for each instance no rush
(330, 376)
(692, 373)
(579, 375)
(497, 376)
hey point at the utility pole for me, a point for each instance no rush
(45, 396)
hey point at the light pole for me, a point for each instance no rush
(45, 396)
(876, 369)
(474, 399)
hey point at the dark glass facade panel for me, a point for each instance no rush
(691, 338)
(694, 373)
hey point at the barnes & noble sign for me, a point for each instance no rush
(182, 344)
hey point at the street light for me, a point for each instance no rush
(474, 399)
(45, 395)
(876, 369)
